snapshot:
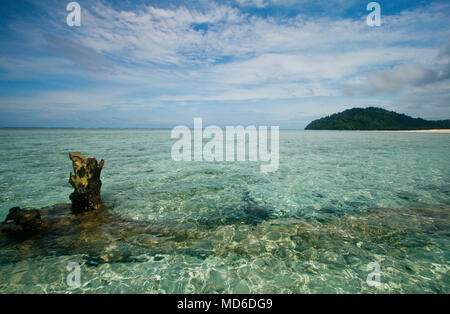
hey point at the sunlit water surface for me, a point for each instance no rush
(339, 201)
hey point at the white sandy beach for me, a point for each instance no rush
(420, 131)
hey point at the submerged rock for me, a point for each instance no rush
(86, 182)
(21, 220)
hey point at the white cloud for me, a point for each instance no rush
(74, 100)
(182, 36)
(393, 79)
(220, 53)
(408, 74)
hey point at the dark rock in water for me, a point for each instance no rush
(256, 212)
(23, 220)
(245, 211)
(99, 236)
(86, 182)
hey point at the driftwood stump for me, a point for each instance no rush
(86, 182)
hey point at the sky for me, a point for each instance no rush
(158, 64)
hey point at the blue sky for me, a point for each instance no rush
(249, 62)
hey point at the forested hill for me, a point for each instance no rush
(374, 119)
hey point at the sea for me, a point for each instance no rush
(346, 212)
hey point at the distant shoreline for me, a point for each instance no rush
(417, 131)
(442, 131)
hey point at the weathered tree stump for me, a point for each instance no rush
(86, 182)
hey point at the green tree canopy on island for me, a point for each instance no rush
(374, 119)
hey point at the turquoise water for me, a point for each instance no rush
(339, 201)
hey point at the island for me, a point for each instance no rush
(374, 119)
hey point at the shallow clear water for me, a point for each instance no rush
(339, 201)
